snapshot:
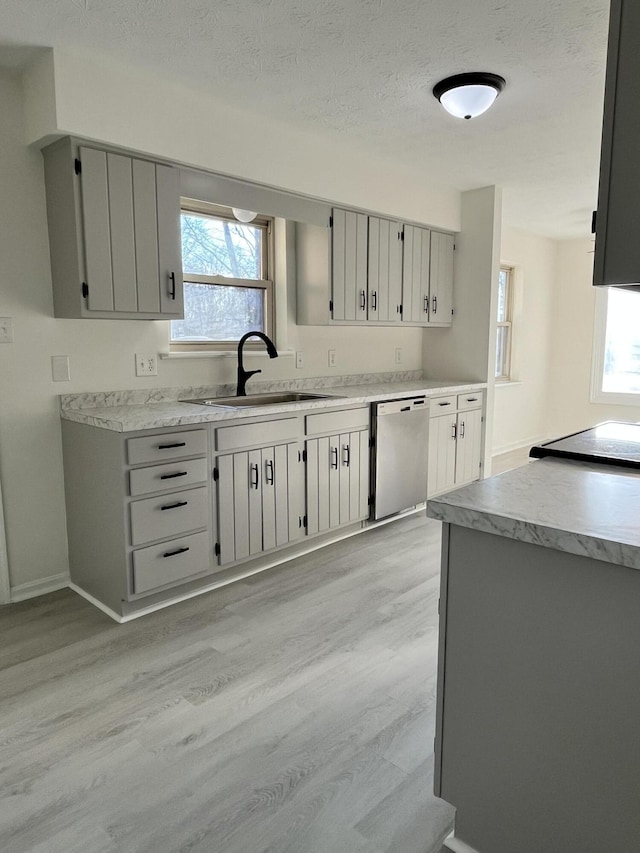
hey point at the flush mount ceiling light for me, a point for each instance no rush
(244, 215)
(469, 95)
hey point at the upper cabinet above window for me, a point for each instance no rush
(114, 234)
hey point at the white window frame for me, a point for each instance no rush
(508, 323)
(613, 398)
(264, 283)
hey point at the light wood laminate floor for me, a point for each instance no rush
(292, 712)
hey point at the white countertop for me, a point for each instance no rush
(169, 413)
(582, 508)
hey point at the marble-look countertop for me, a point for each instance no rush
(128, 412)
(582, 508)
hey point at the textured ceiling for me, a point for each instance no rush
(364, 69)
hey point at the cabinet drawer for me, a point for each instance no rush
(142, 481)
(171, 445)
(335, 422)
(170, 562)
(472, 400)
(168, 515)
(266, 432)
(443, 405)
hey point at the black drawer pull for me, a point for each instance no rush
(472, 399)
(444, 404)
(172, 289)
(169, 446)
(173, 476)
(173, 553)
(174, 506)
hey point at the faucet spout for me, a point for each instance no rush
(243, 374)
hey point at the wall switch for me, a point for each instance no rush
(6, 330)
(332, 358)
(299, 359)
(146, 365)
(398, 355)
(60, 368)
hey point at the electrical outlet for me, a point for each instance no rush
(299, 360)
(146, 365)
(398, 355)
(6, 330)
(332, 358)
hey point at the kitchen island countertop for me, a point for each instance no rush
(581, 508)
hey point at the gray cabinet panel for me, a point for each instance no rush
(170, 563)
(168, 515)
(334, 481)
(415, 274)
(269, 477)
(97, 233)
(349, 265)
(240, 494)
(441, 278)
(169, 251)
(157, 478)
(226, 510)
(256, 481)
(123, 248)
(384, 270)
(169, 445)
(146, 235)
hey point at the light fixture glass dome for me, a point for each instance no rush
(468, 95)
(243, 215)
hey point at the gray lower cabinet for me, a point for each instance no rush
(138, 512)
(114, 234)
(455, 441)
(337, 469)
(259, 487)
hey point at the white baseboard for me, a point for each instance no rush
(32, 589)
(457, 846)
(521, 444)
(88, 597)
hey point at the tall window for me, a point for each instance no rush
(228, 290)
(505, 319)
(616, 373)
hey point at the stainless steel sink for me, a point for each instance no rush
(257, 400)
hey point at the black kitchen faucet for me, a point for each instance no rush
(243, 374)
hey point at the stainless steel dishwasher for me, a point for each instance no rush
(400, 432)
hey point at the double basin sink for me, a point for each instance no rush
(258, 400)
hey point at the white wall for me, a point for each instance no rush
(573, 322)
(521, 408)
(112, 104)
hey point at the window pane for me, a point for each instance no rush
(503, 296)
(216, 312)
(622, 342)
(212, 246)
(502, 352)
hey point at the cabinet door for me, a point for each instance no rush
(415, 274)
(97, 231)
(169, 248)
(441, 278)
(349, 265)
(469, 431)
(384, 274)
(354, 476)
(441, 473)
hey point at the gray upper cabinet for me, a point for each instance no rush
(349, 265)
(384, 273)
(427, 277)
(441, 279)
(617, 223)
(114, 234)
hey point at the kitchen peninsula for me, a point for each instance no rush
(538, 690)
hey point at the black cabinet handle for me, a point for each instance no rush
(172, 289)
(174, 506)
(435, 304)
(453, 432)
(268, 475)
(472, 399)
(346, 455)
(462, 429)
(374, 301)
(363, 300)
(334, 457)
(173, 553)
(253, 470)
(169, 446)
(444, 404)
(173, 476)
(426, 304)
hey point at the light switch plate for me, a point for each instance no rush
(6, 330)
(60, 368)
(299, 359)
(146, 365)
(398, 355)
(332, 358)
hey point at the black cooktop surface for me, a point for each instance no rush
(610, 443)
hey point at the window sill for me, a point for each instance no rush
(612, 398)
(507, 383)
(226, 354)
